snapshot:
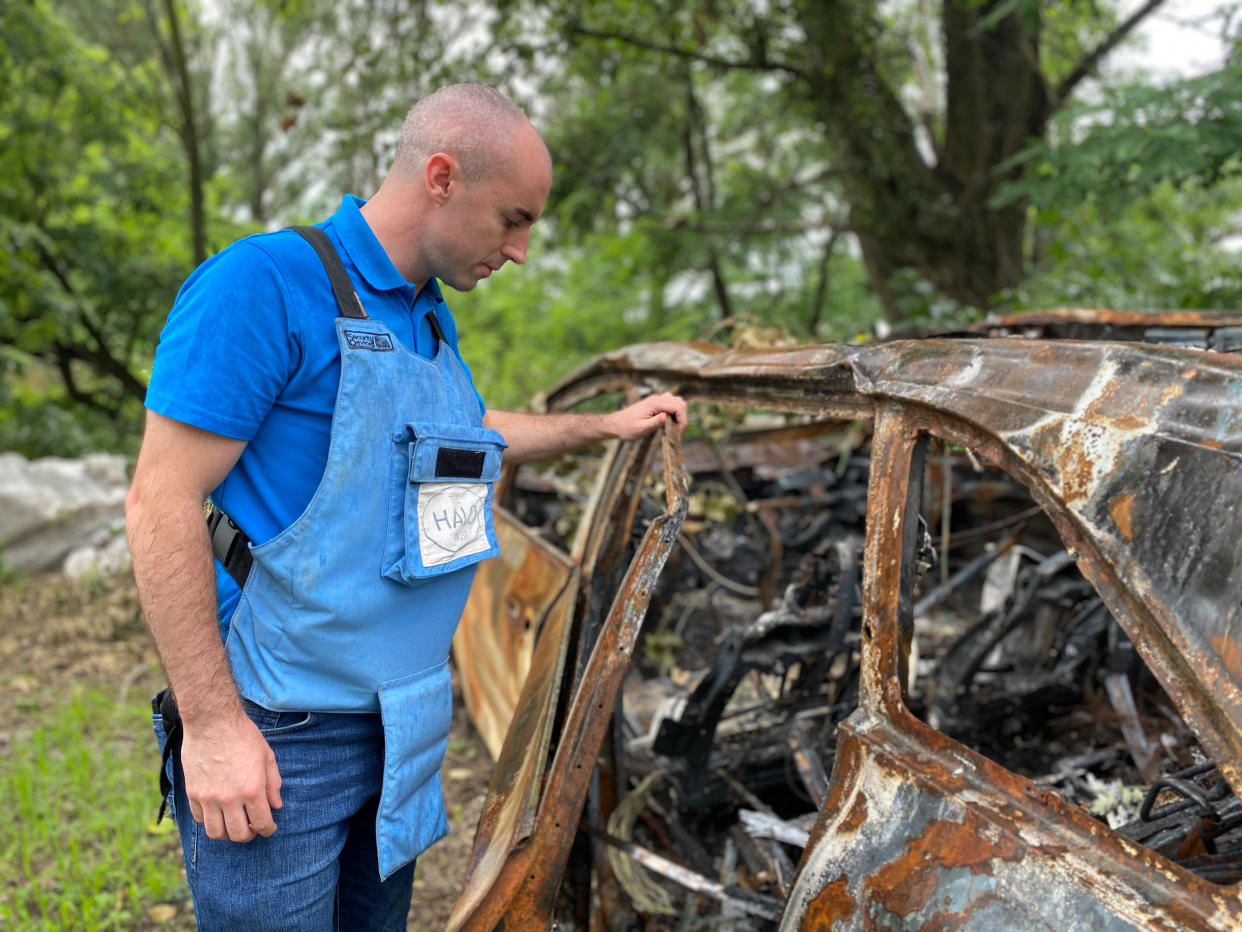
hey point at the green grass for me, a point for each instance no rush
(78, 845)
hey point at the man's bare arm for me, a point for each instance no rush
(535, 436)
(230, 772)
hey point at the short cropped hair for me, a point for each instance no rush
(473, 122)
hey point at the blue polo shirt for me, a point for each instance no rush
(249, 351)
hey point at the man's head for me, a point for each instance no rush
(472, 121)
(469, 178)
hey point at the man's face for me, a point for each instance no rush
(488, 223)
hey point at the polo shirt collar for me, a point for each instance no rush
(432, 290)
(364, 249)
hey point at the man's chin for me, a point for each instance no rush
(460, 284)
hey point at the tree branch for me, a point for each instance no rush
(749, 227)
(579, 30)
(64, 356)
(1092, 59)
(100, 355)
(704, 189)
(821, 287)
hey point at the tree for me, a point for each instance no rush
(1138, 197)
(917, 134)
(87, 184)
(121, 171)
(1113, 152)
(802, 164)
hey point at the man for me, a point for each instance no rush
(351, 449)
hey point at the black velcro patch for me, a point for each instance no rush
(459, 464)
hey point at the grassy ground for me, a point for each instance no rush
(78, 767)
(79, 849)
(80, 837)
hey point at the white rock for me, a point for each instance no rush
(51, 507)
(109, 559)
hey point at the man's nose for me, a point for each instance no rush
(515, 249)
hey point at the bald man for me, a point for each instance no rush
(308, 382)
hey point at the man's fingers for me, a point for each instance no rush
(663, 406)
(273, 784)
(237, 825)
(260, 817)
(213, 822)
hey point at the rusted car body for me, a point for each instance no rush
(1220, 331)
(1133, 455)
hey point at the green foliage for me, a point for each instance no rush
(1175, 247)
(1136, 140)
(43, 421)
(706, 187)
(91, 235)
(79, 784)
(719, 165)
(523, 330)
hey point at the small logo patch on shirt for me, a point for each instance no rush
(376, 342)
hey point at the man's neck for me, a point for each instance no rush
(395, 226)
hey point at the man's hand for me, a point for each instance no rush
(535, 436)
(231, 778)
(644, 416)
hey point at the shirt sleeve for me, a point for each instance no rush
(229, 346)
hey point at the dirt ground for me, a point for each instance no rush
(60, 632)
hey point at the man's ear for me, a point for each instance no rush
(442, 175)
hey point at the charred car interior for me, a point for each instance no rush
(934, 633)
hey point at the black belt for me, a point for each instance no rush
(230, 545)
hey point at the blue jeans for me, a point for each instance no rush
(319, 871)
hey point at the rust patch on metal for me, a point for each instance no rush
(906, 885)
(1074, 465)
(857, 814)
(831, 904)
(1121, 511)
(911, 893)
(1112, 317)
(1230, 654)
(512, 598)
(522, 891)
(952, 922)
(1129, 422)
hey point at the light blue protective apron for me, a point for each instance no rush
(352, 608)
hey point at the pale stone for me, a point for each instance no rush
(52, 507)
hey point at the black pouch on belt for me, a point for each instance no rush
(230, 545)
(165, 704)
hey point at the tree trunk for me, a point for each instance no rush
(176, 62)
(928, 210)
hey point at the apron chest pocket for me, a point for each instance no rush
(440, 500)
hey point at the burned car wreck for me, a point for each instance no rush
(920, 634)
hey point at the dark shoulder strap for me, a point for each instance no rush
(435, 327)
(346, 297)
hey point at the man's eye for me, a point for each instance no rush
(511, 224)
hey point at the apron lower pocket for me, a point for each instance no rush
(416, 712)
(440, 500)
